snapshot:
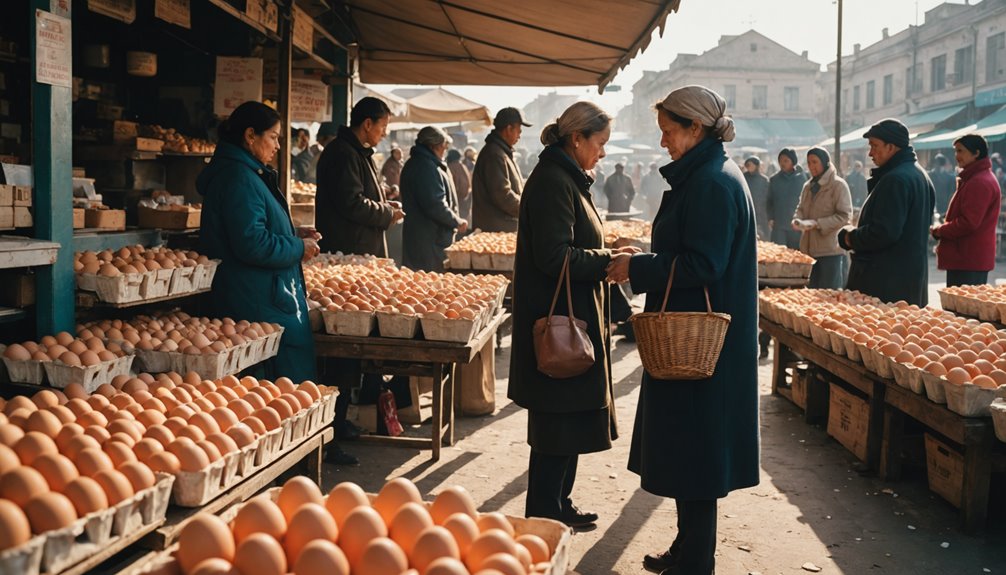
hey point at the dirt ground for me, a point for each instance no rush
(810, 508)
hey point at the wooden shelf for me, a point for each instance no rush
(90, 300)
(19, 252)
(12, 314)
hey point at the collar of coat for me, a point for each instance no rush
(230, 152)
(494, 138)
(678, 171)
(903, 156)
(425, 151)
(555, 154)
(976, 167)
(346, 135)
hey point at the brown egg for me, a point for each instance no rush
(536, 546)
(281, 407)
(90, 461)
(344, 498)
(311, 389)
(99, 433)
(190, 456)
(211, 566)
(454, 499)
(254, 400)
(446, 566)
(486, 545)
(44, 422)
(393, 496)
(191, 432)
(296, 492)
(8, 459)
(70, 358)
(10, 434)
(259, 515)
(464, 530)
(255, 424)
(204, 536)
(311, 522)
(119, 453)
(494, 520)
(75, 391)
(269, 417)
(304, 398)
(78, 406)
(17, 352)
(223, 417)
(139, 475)
(49, 511)
(21, 484)
(409, 522)
(123, 438)
(92, 418)
(242, 435)
(19, 402)
(260, 554)
(98, 401)
(127, 426)
(45, 398)
(222, 442)
(205, 422)
(57, 470)
(361, 526)
(321, 557)
(63, 414)
(524, 557)
(146, 447)
(15, 529)
(285, 385)
(115, 484)
(165, 462)
(210, 449)
(433, 543)
(78, 443)
(32, 445)
(381, 557)
(505, 563)
(160, 433)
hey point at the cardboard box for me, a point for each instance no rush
(105, 219)
(17, 289)
(149, 145)
(22, 217)
(78, 218)
(849, 421)
(6, 218)
(124, 132)
(22, 196)
(168, 219)
(945, 468)
(6, 195)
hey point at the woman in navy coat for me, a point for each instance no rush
(246, 224)
(696, 441)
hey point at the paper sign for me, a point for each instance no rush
(309, 101)
(124, 10)
(303, 30)
(52, 50)
(60, 7)
(177, 12)
(237, 81)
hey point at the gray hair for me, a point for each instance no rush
(432, 136)
(586, 118)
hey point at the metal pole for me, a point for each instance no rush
(838, 94)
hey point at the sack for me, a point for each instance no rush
(561, 344)
(389, 413)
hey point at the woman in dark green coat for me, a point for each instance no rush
(566, 417)
(696, 441)
(246, 224)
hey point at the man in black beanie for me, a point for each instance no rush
(784, 190)
(889, 246)
(758, 184)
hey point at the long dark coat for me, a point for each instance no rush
(890, 245)
(784, 190)
(696, 440)
(246, 224)
(352, 212)
(431, 208)
(573, 415)
(758, 185)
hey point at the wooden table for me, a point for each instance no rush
(413, 357)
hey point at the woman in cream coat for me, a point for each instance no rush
(825, 206)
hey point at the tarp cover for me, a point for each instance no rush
(490, 42)
(439, 106)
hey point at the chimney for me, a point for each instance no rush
(855, 49)
(886, 33)
(804, 54)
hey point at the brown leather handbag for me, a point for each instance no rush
(561, 344)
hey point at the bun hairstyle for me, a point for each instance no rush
(251, 114)
(974, 143)
(586, 118)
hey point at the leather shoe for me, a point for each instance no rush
(657, 562)
(335, 455)
(575, 518)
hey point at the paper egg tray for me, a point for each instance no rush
(317, 319)
(969, 400)
(459, 260)
(902, 374)
(453, 330)
(157, 284)
(934, 387)
(209, 272)
(209, 365)
(91, 377)
(253, 353)
(482, 261)
(27, 371)
(123, 288)
(183, 280)
(272, 342)
(86, 282)
(998, 409)
(158, 361)
(195, 488)
(397, 325)
(352, 323)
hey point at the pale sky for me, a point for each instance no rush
(796, 24)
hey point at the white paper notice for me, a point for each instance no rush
(124, 10)
(177, 12)
(237, 81)
(309, 101)
(52, 61)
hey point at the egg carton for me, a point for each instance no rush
(25, 371)
(903, 374)
(988, 311)
(869, 360)
(255, 353)
(397, 325)
(123, 288)
(272, 342)
(915, 382)
(246, 460)
(232, 464)
(209, 365)
(351, 323)
(967, 306)
(969, 400)
(287, 438)
(948, 301)
(556, 535)
(459, 260)
(328, 405)
(934, 387)
(90, 377)
(784, 270)
(482, 262)
(183, 280)
(852, 350)
(87, 282)
(997, 409)
(152, 361)
(269, 445)
(197, 488)
(452, 330)
(25, 559)
(317, 319)
(820, 337)
(209, 272)
(502, 262)
(157, 284)
(77, 541)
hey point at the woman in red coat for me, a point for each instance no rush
(967, 247)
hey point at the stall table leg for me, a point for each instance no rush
(977, 477)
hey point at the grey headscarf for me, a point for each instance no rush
(704, 105)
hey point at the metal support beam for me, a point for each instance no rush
(342, 87)
(285, 52)
(53, 201)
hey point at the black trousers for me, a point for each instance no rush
(550, 481)
(966, 278)
(695, 546)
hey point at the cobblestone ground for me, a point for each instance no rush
(811, 507)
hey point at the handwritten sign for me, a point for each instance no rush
(309, 101)
(124, 10)
(52, 50)
(237, 81)
(303, 30)
(177, 12)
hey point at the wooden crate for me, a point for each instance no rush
(17, 289)
(945, 468)
(168, 219)
(849, 421)
(22, 196)
(799, 384)
(105, 219)
(6, 218)
(22, 217)
(78, 218)
(6, 195)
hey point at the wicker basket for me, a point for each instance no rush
(680, 345)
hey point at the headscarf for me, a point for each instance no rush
(703, 105)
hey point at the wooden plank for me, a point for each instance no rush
(17, 252)
(849, 421)
(852, 373)
(957, 428)
(111, 550)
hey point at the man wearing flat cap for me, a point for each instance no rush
(496, 179)
(889, 246)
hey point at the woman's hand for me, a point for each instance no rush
(618, 267)
(308, 232)
(627, 250)
(311, 248)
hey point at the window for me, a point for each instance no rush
(913, 80)
(791, 98)
(964, 65)
(730, 95)
(759, 100)
(855, 98)
(888, 89)
(754, 47)
(845, 101)
(938, 73)
(995, 61)
(871, 91)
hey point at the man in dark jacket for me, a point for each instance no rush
(352, 209)
(784, 191)
(889, 246)
(857, 184)
(462, 183)
(944, 182)
(619, 190)
(305, 164)
(653, 190)
(758, 184)
(496, 179)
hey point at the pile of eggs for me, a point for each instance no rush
(305, 532)
(487, 243)
(178, 332)
(134, 259)
(402, 291)
(626, 229)
(86, 350)
(769, 252)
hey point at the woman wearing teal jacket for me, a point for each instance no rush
(246, 224)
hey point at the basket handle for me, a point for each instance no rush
(569, 294)
(667, 292)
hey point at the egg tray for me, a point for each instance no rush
(270, 444)
(969, 400)
(459, 260)
(90, 377)
(25, 559)
(123, 288)
(903, 374)
(183, 281)
(397, 325)
(25, 371)
(272, 342)
(502, 262)
(254, 352)
(934, 387)
(453, 330)
(210, 365)
(152, 361)
(915, 382)
(196, 488)
(837, 342)
(482, 261)
(317, 319)
(988, 311)
(351, 323)
(86, 282)
(209, 271)
(784, 270)
(157, 284)
(998, 410)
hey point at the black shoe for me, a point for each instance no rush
(657, 562)
(337, 456)
(575, 518)
(348, 431)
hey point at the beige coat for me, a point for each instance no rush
(831, 207)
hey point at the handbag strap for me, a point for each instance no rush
(667, 292)
(558, 286)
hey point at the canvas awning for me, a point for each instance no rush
(440, 106)
(399, 106)
(777, 131)
(991, 127)
(488, 42)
